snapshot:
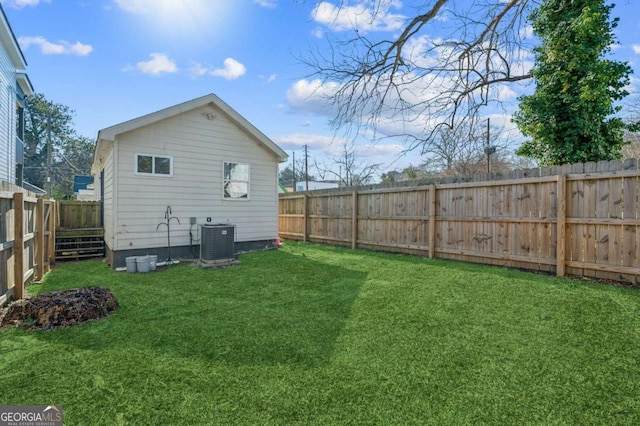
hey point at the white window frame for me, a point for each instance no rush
(248, 181)
(153, 165)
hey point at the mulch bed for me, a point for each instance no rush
(59, 309)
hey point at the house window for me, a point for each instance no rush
(236, 181)
(153, 165)
(20, 122)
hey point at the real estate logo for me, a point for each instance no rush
(30, 415)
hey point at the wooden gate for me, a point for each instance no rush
(79, 233)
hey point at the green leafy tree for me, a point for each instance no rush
(391, 176)
(49, 125)
(570, 118)
(74, 158)
(287, 176)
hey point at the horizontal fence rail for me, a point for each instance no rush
(578, 219)
(27, 234)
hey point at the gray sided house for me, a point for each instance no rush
(202, 160)
(14, 86)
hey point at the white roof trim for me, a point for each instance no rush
(25, 84)
(110, 133)
(8, 39)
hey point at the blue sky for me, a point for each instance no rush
(114, 60)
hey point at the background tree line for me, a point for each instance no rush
(53, 151)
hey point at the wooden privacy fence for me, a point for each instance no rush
(27, 233)
(79, 233)
(78, 214)
(580, 220)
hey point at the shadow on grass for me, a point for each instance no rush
(275, 308)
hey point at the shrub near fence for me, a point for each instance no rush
(578, 219)
(27, 235)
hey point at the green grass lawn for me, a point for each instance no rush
(321, 335)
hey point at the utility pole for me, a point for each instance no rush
(49, 154)
(294, 171)
(488, 148)
(306, 167)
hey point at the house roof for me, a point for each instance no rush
(9, 41)
(108, 135)
(35, 189)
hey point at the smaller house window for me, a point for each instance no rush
(153, 165)
(236, 181)
(20, 122)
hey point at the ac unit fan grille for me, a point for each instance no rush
(217, 242)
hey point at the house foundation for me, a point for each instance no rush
(117, 258)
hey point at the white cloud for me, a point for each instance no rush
(231, 71)
(374, 152)
(158, 64)
(268, 79)
(311, 96)
(504, 93)
(19, 4)
(324, 150)
(60, 48)
(315, 142)
(197, 70)
(360, 16)
(269, 4)
(527, 31)
(636, 49)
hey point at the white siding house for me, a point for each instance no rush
(14, 85)
(201, 159)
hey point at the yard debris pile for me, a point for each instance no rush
(60, 309)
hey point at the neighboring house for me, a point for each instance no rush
(87, 194)
(83, 188)
(313, 185)
(14, 86)
(200, 158)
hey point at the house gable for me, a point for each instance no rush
(10, 43)
(209, 106)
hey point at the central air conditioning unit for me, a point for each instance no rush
(216, 243)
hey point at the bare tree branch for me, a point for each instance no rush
(415, 83)
(348, 168)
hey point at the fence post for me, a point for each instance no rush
(305, 212)
(51, 241)
(40, 240)
(354, 221)
(432, 221)
(561, 196)
(18, 245)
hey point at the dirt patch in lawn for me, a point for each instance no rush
(59, 309)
